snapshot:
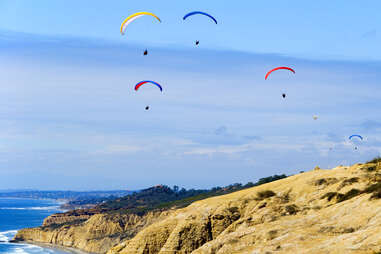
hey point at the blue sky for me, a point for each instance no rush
(71, 120)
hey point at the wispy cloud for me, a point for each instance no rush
(71, 111)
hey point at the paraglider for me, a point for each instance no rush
(355, 138)
(315, 117)
(138, 85)
(278, 68)
(145, 52)
(134, 16)
(201, 13)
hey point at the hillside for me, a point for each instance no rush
(99, 228)
(320, 211)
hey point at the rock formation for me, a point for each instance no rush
(321, 211)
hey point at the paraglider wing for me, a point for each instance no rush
(138, 85)
(132, 17)
(199, 12)
(358, 136)
(278, 68)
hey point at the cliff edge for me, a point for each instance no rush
(321, 211)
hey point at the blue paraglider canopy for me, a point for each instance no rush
(358, 136)
(200, 12)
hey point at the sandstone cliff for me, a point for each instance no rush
(321, 211)
(96, 233)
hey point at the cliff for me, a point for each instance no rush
(95, 234)
(320, 211)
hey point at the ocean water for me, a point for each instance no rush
(23, 213)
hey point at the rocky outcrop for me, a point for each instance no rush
(293, 215)
(97, 234)
(62, 218)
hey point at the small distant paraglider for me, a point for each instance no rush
(138, 85)
(133, 17)
(315, 117)
(199, 13)
(355, 138)
(278, 68)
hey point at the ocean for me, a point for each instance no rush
(23, 213)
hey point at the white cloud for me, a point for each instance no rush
(220, 149)
(86, 117)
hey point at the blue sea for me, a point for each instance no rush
(23, 213)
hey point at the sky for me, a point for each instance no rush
(70, 119)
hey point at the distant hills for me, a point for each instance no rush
(162, 197)
(67, 195)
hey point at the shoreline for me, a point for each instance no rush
(59, 201)
(54, 246)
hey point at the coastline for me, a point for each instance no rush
(54, 246)
(38, 209)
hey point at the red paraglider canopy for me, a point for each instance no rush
(278, 68)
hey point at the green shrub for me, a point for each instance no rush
(265, 194)
(325, 181)
(291, 209)
(351, 180)
(340, 196)
(350, 194)
(329, 195)
(375, 189)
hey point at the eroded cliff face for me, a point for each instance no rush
(321, 211)
(70, 217)
(95, 234)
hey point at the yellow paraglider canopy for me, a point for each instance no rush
(134, 16)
